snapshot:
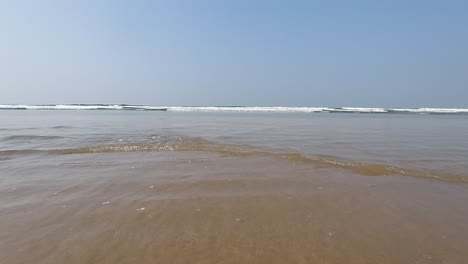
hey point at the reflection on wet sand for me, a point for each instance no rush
(200, 207)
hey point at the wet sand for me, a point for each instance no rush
(201, 207)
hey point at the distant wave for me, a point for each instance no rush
(80, 107)
(29, 137)
(277, 109)
(62, 127)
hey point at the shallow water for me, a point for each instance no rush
(168, 187)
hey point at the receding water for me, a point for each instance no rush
(423, 141)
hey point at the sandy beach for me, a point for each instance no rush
(200, 207)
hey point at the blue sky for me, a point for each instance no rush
(288, 53)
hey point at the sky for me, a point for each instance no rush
(244, 52)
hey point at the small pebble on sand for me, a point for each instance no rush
(151, 187)
(141, 209)
(107, 202)
(238, 219)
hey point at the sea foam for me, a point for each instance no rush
(274, 109)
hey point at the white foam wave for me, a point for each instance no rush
(61, 107)
(358, 110)
(79, 107)
(277, 109)
(432, 110)
(245, 109)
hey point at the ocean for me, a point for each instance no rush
(232, 184)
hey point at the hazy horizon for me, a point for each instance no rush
(243, 53)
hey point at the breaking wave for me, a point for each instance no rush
(81, 107)
(277, 109)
